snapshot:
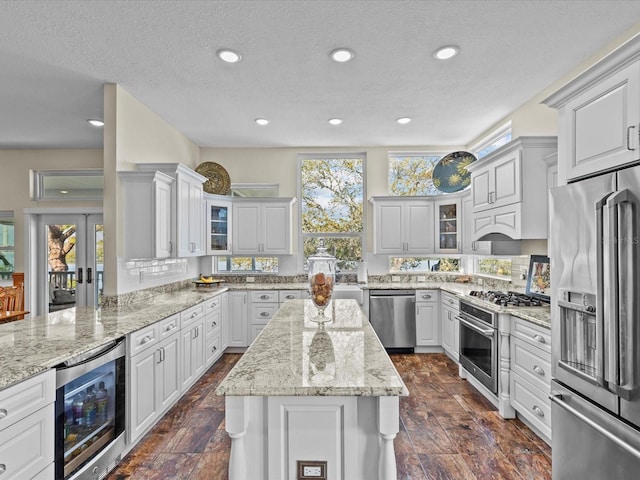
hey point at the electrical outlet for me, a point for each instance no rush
(312, 470)
(250, 279)
(422, 278)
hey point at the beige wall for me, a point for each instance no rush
(17, 185)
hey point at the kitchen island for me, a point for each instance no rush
(325, 397)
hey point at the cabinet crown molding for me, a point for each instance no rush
(520, 142)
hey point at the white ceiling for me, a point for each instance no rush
(55, 57)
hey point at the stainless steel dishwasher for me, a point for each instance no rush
(392, 314)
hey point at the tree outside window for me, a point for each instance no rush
(411, 174)
(332, 206)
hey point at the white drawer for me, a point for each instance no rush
(143, 339)
(212, 304)
(427, 295)
(212, 322)
(450, 300)
(531, 403)
(261, 313)
(532, 363)
(285, 295)
(213, 348)
(168, 326)
(26, 447)
(191, 315)
(21, 400)
(48, 473)
(267, 296)
(531, 333)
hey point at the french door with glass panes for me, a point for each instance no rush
(70, 261)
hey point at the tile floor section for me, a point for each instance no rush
(448, 431)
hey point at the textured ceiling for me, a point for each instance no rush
(55, 57)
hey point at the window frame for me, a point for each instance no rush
(10, 215)
(302, 235)
(491, 139)
(39, 177)
(412, 153)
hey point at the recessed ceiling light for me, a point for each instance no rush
(262, 121)
(335, 121)
(403, 120)
(342, 55)
(446, 52)
(229, 56)
(96, 123)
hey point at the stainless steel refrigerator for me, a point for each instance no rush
(596, 327)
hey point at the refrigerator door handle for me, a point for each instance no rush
(601, 372)
(558, 400)
(623, 380)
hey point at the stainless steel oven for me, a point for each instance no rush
(479, 344)
(90, 413)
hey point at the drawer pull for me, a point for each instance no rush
(194, 314)
(538, 370)
(3, 412)
(213, 304)
(290, 297)
(264, 297)
(539, 338)
(213, 348)
(451, 301)
(426, 296)
(3, 467)
(264, 314)
(146, 339)
(538, 411)
(213, 324)
(170, 327)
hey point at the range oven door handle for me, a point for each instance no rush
(485, 332)
(557, 399)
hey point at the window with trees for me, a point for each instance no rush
(7, 245)
(424, 264)
(247, 264)
(500, 267)
(412, 173)
(332, 192)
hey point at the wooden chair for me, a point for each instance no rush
(12, 298)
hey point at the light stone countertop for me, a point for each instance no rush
(294, 356)
(37, 343)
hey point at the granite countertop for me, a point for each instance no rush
(38, 343)
(294, 356)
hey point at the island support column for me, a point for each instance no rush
(388, 427)
(236, 421)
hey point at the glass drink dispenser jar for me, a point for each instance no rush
(322, 274)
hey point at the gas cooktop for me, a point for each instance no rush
(508, 299)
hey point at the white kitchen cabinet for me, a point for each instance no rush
(224, 314)
(262, 227)
(449, 310)
(153, 357)
(238, 319)
(263, 304)
(486, 247)
(188, 207)
(148, 227)
(27, 428)
(509, 191)
(218, 225)
(448, 226)
(530, 375)
(403, 225)
(428, 318)
(599, 115)
(213, 325)
(192, 345)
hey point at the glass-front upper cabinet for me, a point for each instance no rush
(448, 226)
(218, 228)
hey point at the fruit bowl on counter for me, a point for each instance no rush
(207, 281)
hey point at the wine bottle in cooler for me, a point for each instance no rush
(102, 401)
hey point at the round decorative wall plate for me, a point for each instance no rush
(218, 179)
(450, 173)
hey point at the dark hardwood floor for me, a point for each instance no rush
(448, 431)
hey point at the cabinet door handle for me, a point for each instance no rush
(159, 356)
(3, 413)
(170, 247)
(628, 137)
(213, 324)
(213, 348)
(538, 370)
(539, 338)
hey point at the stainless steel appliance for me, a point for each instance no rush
(392, 314)
(479, 344)
(90, 413)
(595, 327)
